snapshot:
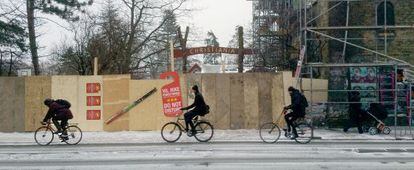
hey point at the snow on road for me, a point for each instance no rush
(155, 137)
(229, 149)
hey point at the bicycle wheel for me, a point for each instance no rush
(171, 132)
(305, 133)
(43, 136)
(387, 130)
(269, 132)
(74, 135)
(204, 131)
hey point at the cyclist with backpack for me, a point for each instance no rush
(200, 108)
(58, 110)
(298, 106)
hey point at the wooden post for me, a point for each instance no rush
(95, 66)
(241, 49)
(183, 44)
(172, 55)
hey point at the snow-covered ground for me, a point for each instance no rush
(229, 149)
(155, 137)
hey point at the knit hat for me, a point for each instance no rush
(195, 87)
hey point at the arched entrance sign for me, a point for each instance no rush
(205, 50)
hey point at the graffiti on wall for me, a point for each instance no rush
(364, 79)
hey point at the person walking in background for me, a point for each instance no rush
(355, 112)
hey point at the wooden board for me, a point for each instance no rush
(237, 101)
(265, 99)
(222, 113)
(12, 104)
(89, 125)
(148, 115)
(208, 90)
(278, 99)
(116, 97)
(251, 101)
(37, 89)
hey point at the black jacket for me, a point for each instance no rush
(296, 103)
(57, 110)
(355, 109)
(199, 105)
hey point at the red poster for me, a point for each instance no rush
(93, 115)
(171, 95)
(93, 87)
(93, 100)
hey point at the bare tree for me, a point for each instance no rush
(62, 8)
(143, 15)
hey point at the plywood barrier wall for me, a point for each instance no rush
(237, 101)
(90, 113)
(221, 110)
(208, 82)
(278, 99)
(251, 104)
(37, 89)
(148, 115)
(12, 104)
(116, 96)
(87, 106)
(66, 87)
(317, 84)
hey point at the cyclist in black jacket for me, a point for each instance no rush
(199, 109)
(298, 110)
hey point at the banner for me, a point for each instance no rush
(299, 65)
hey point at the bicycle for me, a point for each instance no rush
(44, 135)
(172, 131)
(270, 132)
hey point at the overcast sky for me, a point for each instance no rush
(219, 16)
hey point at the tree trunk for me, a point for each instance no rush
(183, 43)
(32, 35)
(241, 49)
(1, 63)
(11, 64)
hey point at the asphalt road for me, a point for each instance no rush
(218, 155)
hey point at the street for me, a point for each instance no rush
(319, 154)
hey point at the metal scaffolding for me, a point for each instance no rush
(310, 12)
(270, 33)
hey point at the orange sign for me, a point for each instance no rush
(93, 87)
(203, 50)
(93, 115)
(93, 100)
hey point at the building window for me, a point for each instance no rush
(390, 17)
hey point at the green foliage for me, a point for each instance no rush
(62, 8)
(12, 35)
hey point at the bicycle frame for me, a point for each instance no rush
(297, 121)
(179, 121)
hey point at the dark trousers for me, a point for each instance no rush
(188, 117)
(63, 122)
(290, 119)
(354, 120)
